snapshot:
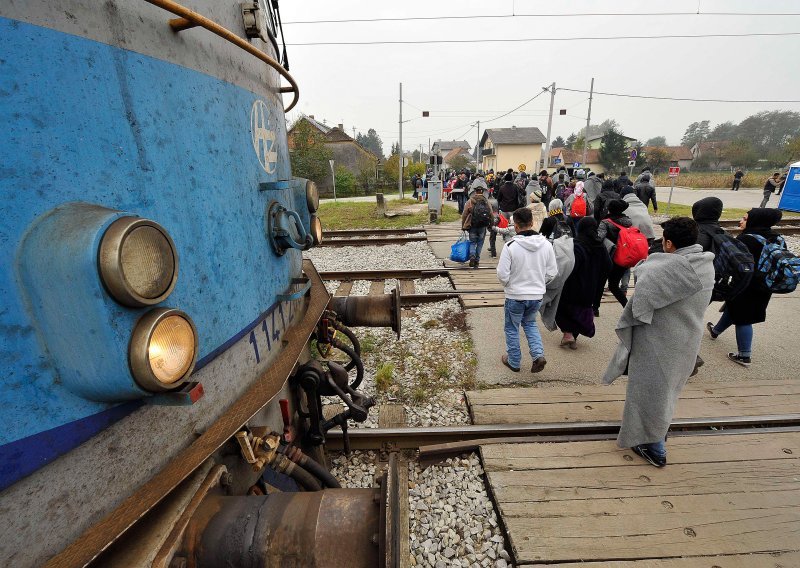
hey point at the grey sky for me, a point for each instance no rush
(357, 85)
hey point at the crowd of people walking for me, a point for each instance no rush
(567, 237)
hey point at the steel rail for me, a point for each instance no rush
(780, 229)
(405, 274)
(365, 232)
(364, 242)
(189, 18)
(413, 438)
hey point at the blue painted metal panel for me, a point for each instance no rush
(790, 196)
(85, 124)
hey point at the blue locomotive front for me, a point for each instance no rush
(154, 294)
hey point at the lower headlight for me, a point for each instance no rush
(316, 230)
(163, 349)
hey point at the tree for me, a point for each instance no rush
(656, 141)
(695, 133)
(613, 150)
(415, 156)
(740, 153)
(769, 130)
(395, 149)
(792, 150)
(345, 182)
(600, 129)
(459, 162)
(372, 142)
(570, 141)
(309, 155)
(657, 158)
(559, 142)
(723, 131)
(578, 143)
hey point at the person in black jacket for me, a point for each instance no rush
(601, 202)
(737, 180)
(750, 306)
(622, 181)
(508, 196)
(706, 214)
(607, 229)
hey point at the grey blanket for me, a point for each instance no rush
(660, 331)
(565, 259)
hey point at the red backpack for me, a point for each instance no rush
(631, 246)
(578, 207)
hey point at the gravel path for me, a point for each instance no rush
(793, 243)
(415, 255)
(453, 522)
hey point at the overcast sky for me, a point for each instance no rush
(459, 83)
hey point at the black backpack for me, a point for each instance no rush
(562, 228)
(733, 267)
(481, 214)
(522, 198)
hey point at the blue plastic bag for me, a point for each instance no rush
(459, 252)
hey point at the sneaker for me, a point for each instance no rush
(739, 360)
(697, 364)
(504, 359)
(538, 365)
(472, 263)
(477, 262)
(596, 313)
(710, 328)
(651, 457)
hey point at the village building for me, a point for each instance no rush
(681, 156)
(595, 140)
(503, 148)
(712, 152)
(346, 152)
(568, 158)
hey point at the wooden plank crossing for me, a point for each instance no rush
(727, 500)
(599, 403)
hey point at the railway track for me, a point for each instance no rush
(372, 237)
(788, 227)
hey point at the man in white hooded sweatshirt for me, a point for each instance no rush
(527, 263)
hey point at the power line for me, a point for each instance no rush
(540, 39)
(677, 98)
(576, 15)
(519, 107)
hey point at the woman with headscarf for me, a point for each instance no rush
(749, 306)
(584, 208)
(706, 213)
(585, 283)
(556, 224)
(538, 209)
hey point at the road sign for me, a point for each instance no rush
(405, 162)
(521, 168)
(557, 161)
(631, 163)
(634, 155)
(674, 171)
(576, 164)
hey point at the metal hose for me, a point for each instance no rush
(313, 467)
(354, 358)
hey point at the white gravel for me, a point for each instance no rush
(360, 288)
(415, 255)
(422, 285)
(453, 521)
(793, 243)
(355, 472)
(332, 286)
(390, 285)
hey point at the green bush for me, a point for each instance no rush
(345, 182)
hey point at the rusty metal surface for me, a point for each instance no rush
(334, 528)
(97, 538)
(369, 311)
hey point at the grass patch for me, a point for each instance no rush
(419, 395)
(369, 343)
(679, 210)
(714, 180)
(363, 215)
(383, 377)
(442, 371)
(430, 324)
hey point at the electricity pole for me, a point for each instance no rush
(588, 118)
(400, 148)
(546, 159)
(478, 149)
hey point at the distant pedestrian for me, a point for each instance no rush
(646, 192)
(770, 186)
(592, 264)
(609, 229)
(638, 213)
(475, 219)
(750, 306)
(622, 181)
(660, 332)
(557, 224)
(601, 202)
(737, 180)
(527, 263)
(460, 191)
(593, 186)
(538, 210)
(508, 196)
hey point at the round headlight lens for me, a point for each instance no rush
(138, 262)
(312, 196)
(171, 350)
(316, 229)
(163, 349)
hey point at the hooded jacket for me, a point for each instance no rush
(527, 263)
(706, 213)
(592, 187)
(508, 197)
(639, 214)
(466, 216)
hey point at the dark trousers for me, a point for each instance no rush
(736, 184)
(461, 198)
(614, 278)
(493, 243)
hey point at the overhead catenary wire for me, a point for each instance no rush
(550, 15)
(543, 39)
(690, 99)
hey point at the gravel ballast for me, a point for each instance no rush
(412, 256)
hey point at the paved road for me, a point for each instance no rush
(742, 199)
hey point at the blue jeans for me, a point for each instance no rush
(522, 312)
(461, 199)
(476, 238)
(744, 333)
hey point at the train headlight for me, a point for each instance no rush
(312, 196)
(138, 262)
(316, 230)
(163, 349)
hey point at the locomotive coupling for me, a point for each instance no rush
(369, 311)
